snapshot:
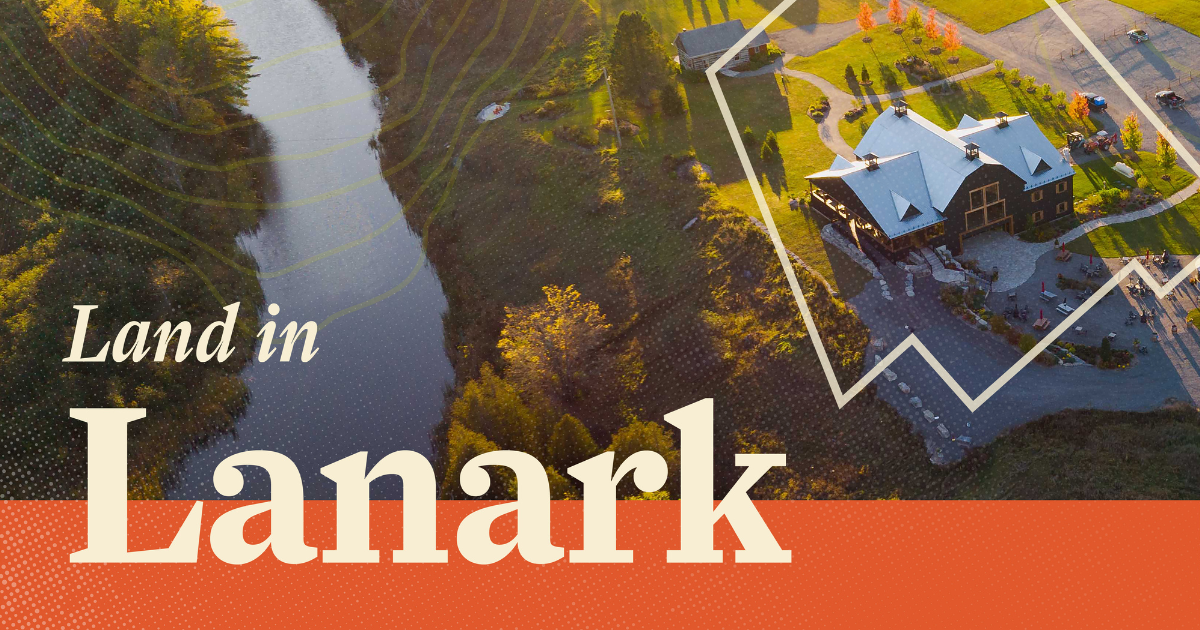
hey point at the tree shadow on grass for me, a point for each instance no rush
(802, 13)
(774, 174)
(755, 102)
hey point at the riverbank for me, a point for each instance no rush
(122, 190)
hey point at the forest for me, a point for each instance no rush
(122, 185)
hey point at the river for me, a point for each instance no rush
(378, 380)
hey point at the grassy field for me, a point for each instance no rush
(981, 97)
(671, 16)
(1092, 176)
(986, 17)
(1177, 230)
(768, 102)
(878, 56)
(1185, 15)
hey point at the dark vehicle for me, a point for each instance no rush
(1169, 99)
(1096, 102)
(1138, 36)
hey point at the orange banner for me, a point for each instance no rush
(854, 565)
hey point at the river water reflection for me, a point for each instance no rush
(377, 383)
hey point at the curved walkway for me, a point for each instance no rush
(841, 102)
(1017, 259)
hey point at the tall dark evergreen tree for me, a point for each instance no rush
(637, 61)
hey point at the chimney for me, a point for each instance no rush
(900, 108)
(872, 161)
(972, 151)
(1001, 120)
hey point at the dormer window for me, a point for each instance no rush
(901, 108)
(972, 151)
(872, 161)
(1001, 120)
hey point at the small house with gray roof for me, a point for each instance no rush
(700, 48)
(913, 184)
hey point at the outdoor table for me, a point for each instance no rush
(1064, 308)
(1041, 324)
(1047, 296)
(1112, 336)
(1081, 331)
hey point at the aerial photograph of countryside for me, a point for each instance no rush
(929, 250)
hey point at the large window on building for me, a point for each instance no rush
(986, 207)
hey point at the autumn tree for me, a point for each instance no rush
(1131, 132)
(913, 21)
(73, 23)
(1166, 152)
(637, 60)
(643, 436)
(865, 19)
(555, 348)
(951, 40)
(931, 27)
(1078, 108)
(494, 408)
(895, 14)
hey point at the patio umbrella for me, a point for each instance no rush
(1089, 259)
(1043, 286)
(1040, 316)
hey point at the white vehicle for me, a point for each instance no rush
(943, 431)
(904, 387)
(963, 439)
(889, 375)
(915, 401)
(929, 415)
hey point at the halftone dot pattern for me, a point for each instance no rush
(855, 565)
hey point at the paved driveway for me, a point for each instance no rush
(976, 359)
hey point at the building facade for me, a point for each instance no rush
(700, 48)
(913, 184)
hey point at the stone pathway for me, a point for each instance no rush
(1017, 259)
(835, 238)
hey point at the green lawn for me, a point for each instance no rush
(671, 16)
(986, 17)
(769, 102)
(1177, 230)
(878, 57)
(1097, 174)
(981, 97)
(1185, 15)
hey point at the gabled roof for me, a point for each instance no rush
(895, 194)
(1021, 147)
(943, 156)
(716, 38)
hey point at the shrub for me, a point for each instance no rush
(766, 153)
(671, 101)
(999, 324)
(582, 136)
(1013, 335)
(772, 141)
(866, 76)
(1106, 351)
(999, 63)
(748, 137)
(1027, 343)
(1014, 76)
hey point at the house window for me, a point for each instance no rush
(1062, 208)
(1037, 195)
(1038, 216)
(986, 207)
(1061, 187)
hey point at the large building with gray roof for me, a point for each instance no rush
(700, 48)
(913, 184)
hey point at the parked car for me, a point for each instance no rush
(1138, 36)
(1096, 102)
(1169, 99)
(943, 431)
